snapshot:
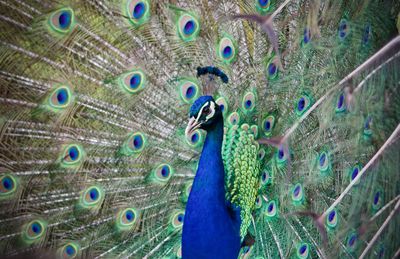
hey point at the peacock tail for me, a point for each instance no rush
(95, 96)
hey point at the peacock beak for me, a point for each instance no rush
(193, 125)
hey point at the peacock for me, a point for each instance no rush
(199, 129)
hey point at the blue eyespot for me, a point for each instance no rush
(376, 198)
(354, 173)
(72, 156)
(7, 182)
(135, 81)
(165, 171)
(137, 141)
(92, 197)
(177, 219)
(190, 92)
(352, 240)
(297, 194)
(343, 29)
(69, 250)
(340, 101)
(303, 103)
(188, 27)
(64, 19)
(267, 125)
(331, 215)
(129, 215)
(162, 174)
(8, 185)
(272, 69)
(126, 219)
(34, 231)
(271, 211)
(263, 6)
(248, 101)
(302, 249)
(94, 194)
(62, 96)
(322, 159)
(195, 137)
(300, 104)
(61, 21)
(139, 10)
(73, 153)
(306, 35)
(296, 191)
(332, 219)
(281, 156)
(180, 217)
(263, 2)
(36, 228)
(281, 153)
(367, 123)
(227, 52)
(132, 81)
(134, 144)
(367, 127)
(367, 34)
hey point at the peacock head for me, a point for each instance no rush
(204, 114)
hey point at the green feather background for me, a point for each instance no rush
(94, 100)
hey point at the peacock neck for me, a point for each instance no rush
(210, 172)
(214, 137)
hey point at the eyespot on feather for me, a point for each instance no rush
(137, 11)
(34, 231)
(227, 50)
(72, 156)
(62, 21)
(92, 197)
(133, 81)
(60, 98)
(8, 185)
(188, 27)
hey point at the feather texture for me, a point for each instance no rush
(95, 160)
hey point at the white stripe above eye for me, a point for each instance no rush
(201, 111)
(212, 108)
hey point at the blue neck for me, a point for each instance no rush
(210, 229)
(211, 158)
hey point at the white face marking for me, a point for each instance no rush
(201, 111)
(212, 111)
(194, 122)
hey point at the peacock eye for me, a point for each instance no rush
(206, 111)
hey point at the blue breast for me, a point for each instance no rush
(211, 229)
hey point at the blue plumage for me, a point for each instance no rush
(210, 223)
